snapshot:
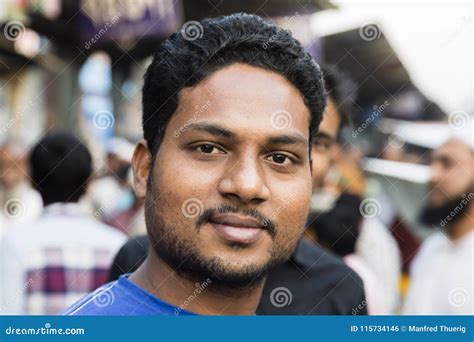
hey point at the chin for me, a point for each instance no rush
(237, 271)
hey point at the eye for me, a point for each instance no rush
(279, 158)
(208, 149)
(322, 144)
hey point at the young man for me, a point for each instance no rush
(227, 187)
(442, 272)
(48, 264)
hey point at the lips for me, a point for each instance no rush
(235, 228)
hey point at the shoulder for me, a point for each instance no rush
(428, 249)
(317, 283)
(432, 244)
(313, 258)
(102, 301)
(321, 269)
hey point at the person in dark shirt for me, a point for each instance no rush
(313, 281)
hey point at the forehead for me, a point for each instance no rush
(245, 97)
(331, 119)
(453, 149)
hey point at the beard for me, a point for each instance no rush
(184, 255)
(456, 208)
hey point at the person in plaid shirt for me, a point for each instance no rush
(50, 263)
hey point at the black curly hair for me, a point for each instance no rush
(186, 58)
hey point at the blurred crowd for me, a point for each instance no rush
(63, 222)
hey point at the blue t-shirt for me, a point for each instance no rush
(123, 298)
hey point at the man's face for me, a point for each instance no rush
(230, 188)
(452, 180)
(452, 172)
(13, 167)
(322, 150)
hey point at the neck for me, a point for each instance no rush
(205, 298)
(462, 226)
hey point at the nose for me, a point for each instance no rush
(244, 181)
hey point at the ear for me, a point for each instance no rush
(141, 165)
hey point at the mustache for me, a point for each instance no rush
(266, 223)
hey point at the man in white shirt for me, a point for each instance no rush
(442, 272)
(19, 202)
(48, 264)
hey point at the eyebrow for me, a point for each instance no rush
(324, 135)
(287, 140)
(444, 158)
(213, 129)
(218, 130)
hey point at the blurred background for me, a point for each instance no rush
(78, 65)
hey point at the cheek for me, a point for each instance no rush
(294, 209)
(185, 186)
(320, 164)
(456, 181)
